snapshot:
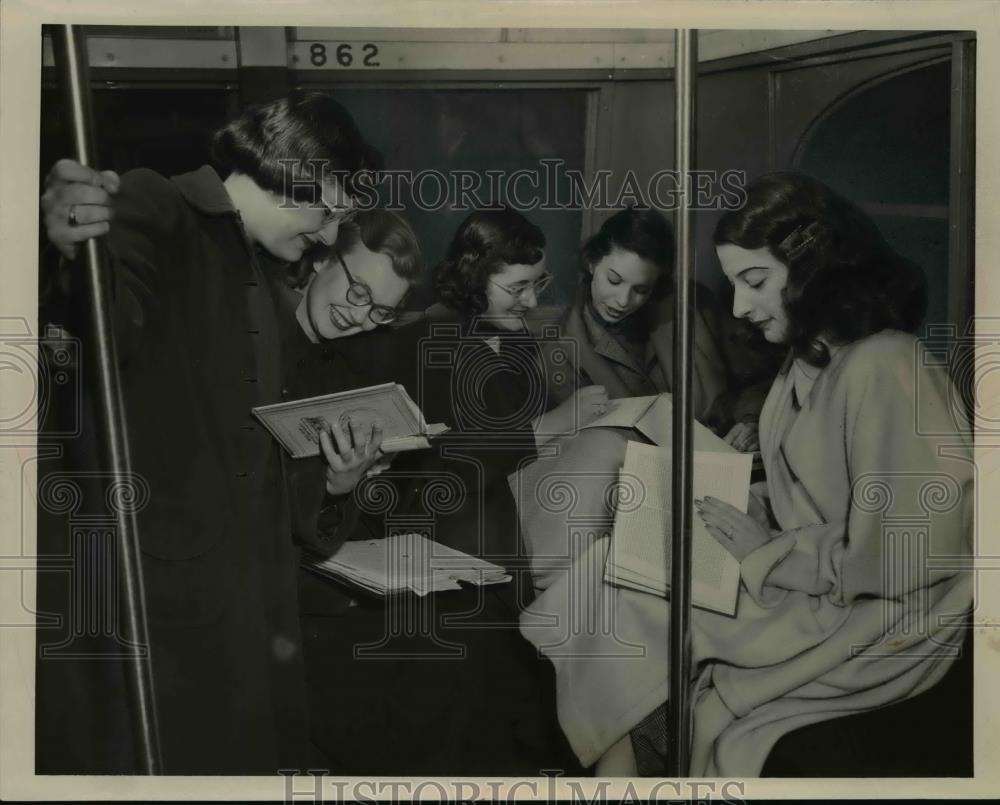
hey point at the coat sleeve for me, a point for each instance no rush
(911, 494)
(320, 522)
(142, 247)
(141, 241)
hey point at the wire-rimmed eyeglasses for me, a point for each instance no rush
(519, 288)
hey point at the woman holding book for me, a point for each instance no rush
(841, 609)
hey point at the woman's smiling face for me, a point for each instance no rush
(758, 279)
(326, 313)
(510, 294)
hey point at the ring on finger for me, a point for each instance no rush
(71, 215)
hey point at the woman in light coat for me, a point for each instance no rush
(852, 596)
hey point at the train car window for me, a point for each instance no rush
(167, 129)
(502, 143)
(424, 134)
(887, 147)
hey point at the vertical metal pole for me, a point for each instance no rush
(70, 46)
(678, 740)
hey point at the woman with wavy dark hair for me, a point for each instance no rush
(840, 611)
(843, 281)
(490, 281)
(622, 322)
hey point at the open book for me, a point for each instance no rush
(628, 412)
(639, 545)
(652, 417)
(297, 424)
(406, 562)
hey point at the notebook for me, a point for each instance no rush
(406, 563)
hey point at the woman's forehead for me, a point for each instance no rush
(735, 259)
(363, 262)
(376, 271)
(518, 272)
(630, 266)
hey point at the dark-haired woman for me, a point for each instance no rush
(621, 320)
(489, 282)
(198, 339)
(841, 609)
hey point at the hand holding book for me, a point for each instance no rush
(737, 532)
(349, 456)
(639, 547)
(299, 425)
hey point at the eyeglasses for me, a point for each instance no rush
(360, 295)
(335, 213)
(537, 286)
(338, 215)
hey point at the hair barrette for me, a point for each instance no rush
(805, 234)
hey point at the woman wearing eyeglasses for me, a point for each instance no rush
(490, 280)
(476, 367)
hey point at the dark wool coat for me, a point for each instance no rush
(444, 684)
(197, 334)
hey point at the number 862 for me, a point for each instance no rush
(344, 55)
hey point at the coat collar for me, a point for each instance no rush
(204, 190)
(581, 323)
(475, 327)
(804, 375)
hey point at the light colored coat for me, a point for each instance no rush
(854, 604)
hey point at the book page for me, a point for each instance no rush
(623, 413)
(643, 525)
(404, 443)
(657, 423)
(657, 426)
